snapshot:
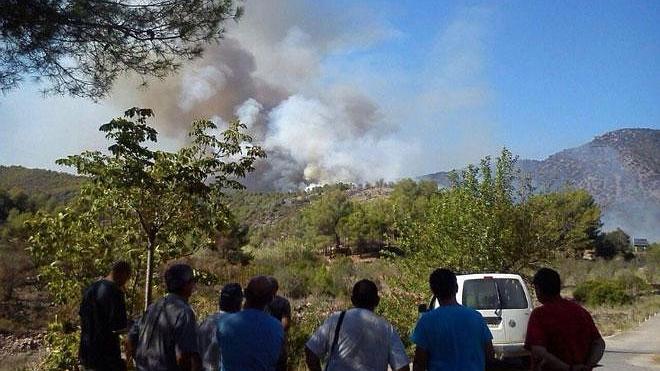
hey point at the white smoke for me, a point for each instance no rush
(269, 72)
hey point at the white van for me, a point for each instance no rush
(504, 302)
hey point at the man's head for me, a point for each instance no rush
(443, 283)
(365, 295)
(274, 284)
(179, 280)
(231, 298)
(258, 293)
(120, 272)
(547, 284)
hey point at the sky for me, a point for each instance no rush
(356, 91)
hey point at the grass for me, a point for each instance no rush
(613, 319)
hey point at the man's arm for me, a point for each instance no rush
(312, 360)
(596, 352)
(547, 359)
(421, 360)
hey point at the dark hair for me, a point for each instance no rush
(547, 281)
(258, 292)
(365, 294)
(443, 283)
(230, 297)
(274, 283)
(121, 266)
(177, 277)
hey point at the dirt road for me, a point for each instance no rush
(636, 349)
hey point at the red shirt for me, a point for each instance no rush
(564, 328)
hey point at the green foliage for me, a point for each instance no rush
(81, 47)
(567, 222)
(62, 344)
(608, 292)
(138, 201)
(40, 184)
(488, 222)
(326, 215)
(613, 243)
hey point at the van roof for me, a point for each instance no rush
(464, 277)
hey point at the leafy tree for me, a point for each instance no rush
(326, 215)
(370, 225)
(566, 222)
(82, 46)
(146, 205)
(487, 222)
(613, 243)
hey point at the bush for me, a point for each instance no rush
(62, 354)
(608, 292)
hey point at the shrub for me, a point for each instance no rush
(608, 292)
(62, 341)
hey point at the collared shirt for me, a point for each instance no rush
(454, 337)
(250, 340)
(102, 311)
(366, 342)
(564, 328)
(168, 328)
(208, 342)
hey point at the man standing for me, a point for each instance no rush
(280, 309)
(102, 319)
(165, 338)
(450, 337)
(561, 334)
(231, 300)
(251, 340)
(357, 339)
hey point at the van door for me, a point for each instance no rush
(481, 294)
(504, 304)
(516, 308)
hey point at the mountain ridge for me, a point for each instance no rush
(620, 168)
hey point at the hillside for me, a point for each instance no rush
(621, 169)
(62, 186)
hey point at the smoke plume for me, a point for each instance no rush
(316, 127)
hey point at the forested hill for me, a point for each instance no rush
(61, 186)
(621, 169)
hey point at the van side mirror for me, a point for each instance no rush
(422, 308)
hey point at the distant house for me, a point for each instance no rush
(640, 245)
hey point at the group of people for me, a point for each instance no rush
(249, 330)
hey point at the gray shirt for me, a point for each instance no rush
(208, 342)
(168, 328)
(366, 342)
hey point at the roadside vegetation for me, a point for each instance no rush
(317, 242)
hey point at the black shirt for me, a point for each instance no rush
(102, 311)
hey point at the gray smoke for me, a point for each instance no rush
(266, 72)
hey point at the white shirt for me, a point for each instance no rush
(366, 342)
(208, 342)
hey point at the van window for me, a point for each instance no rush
(483, 294)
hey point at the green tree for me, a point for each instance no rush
(326, 214)
(81, 47)
(146, 205)
(487, 222)
(565, 222)
(613, 243)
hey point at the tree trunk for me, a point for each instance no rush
(148, 274)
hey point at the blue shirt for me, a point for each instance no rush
(454, 337)
(250, 340)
